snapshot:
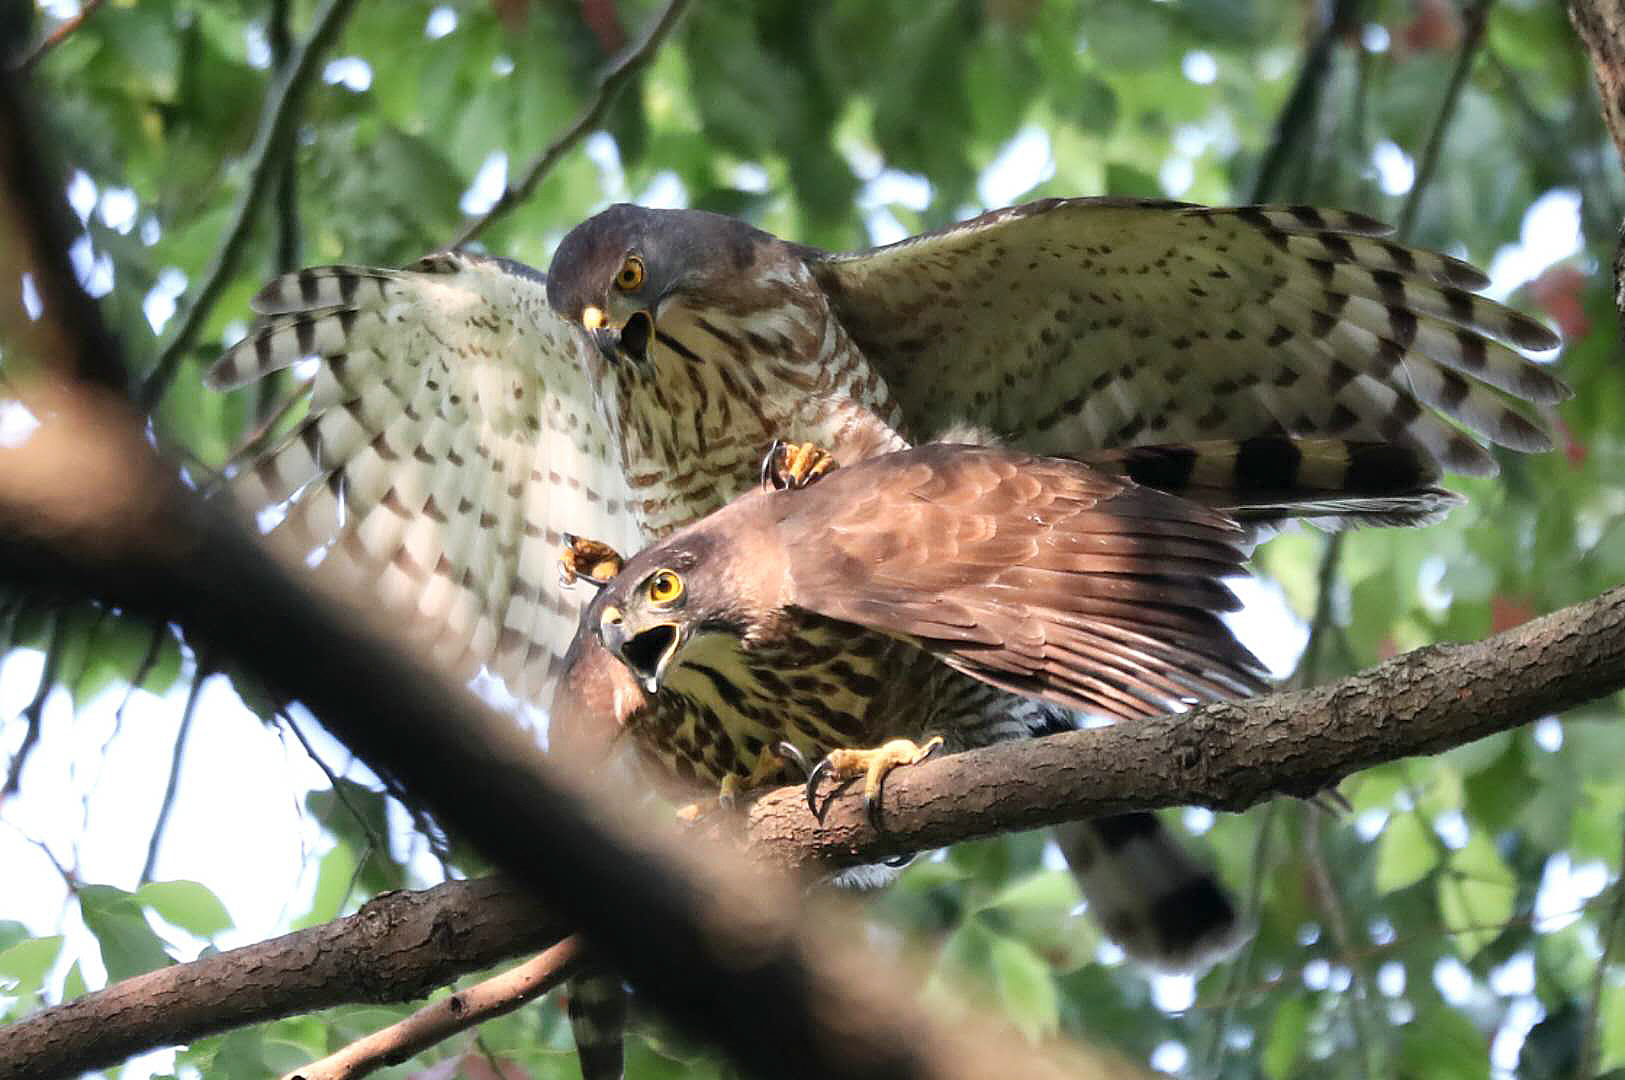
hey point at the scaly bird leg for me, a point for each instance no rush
(591, 560)
(792, 466)
(872, 765)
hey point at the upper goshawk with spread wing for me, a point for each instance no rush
(466, 411)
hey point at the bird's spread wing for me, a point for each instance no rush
(451, 438)
(1045, 577)
(1074, 324)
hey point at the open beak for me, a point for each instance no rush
(630, 340)
(647, 653)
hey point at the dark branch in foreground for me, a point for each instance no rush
(1227, 756)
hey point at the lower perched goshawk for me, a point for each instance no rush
(945, 594)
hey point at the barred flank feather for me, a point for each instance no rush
(598, 1022)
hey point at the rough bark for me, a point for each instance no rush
(399, 946)
(439, 1021)
(1601, 25)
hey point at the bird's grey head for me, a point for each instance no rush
(617, 271)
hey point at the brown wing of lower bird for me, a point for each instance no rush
(1043, 576)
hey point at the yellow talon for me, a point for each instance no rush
(593, 560)
(873, 766)
(791, 466)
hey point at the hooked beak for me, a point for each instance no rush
(631, 339)
(647, 653)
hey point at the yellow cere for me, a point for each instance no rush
(593, 317)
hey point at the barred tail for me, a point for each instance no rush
(1271, 477)
(598, 1022)
(1148, 894)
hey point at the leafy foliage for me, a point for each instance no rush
(1460, 907)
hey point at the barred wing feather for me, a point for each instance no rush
(1069, 325)
(451, 438)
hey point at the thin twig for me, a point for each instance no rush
(172, 785)
(70, 879)
(143, 671)
(1475, 19)
(280, 39)
(34, 711)
(58, 34)
(1240, 969)
(273, 140)
(1290, 976)
(1586, 1064)
(610, 83)
(440, 1020)
(1303, 101)
(335, 781)
(1311, 821)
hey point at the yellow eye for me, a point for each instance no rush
(630, 275)
(665, 587)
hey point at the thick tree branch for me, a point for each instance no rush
(1601, 25)
(1226, 756)
(397, 947)
(610, 83)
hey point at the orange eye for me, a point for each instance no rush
(665, 587)
(630, 275)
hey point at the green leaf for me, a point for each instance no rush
(1477, 894)
(1288, 1031)
(1611, 1017)
(1442, 1044)
(334, 880)
(1026, 987)
(188, 905)
(24, 965)
(128, 944)
(1406, 853)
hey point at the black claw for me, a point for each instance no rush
(897, 862)
(770, 466)
(813, 777)
(871, 808)
(791, 753)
